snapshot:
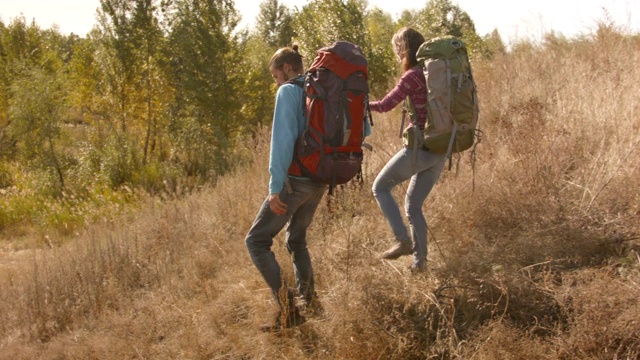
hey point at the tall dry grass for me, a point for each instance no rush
(533, 253)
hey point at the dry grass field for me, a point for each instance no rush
(533, 252)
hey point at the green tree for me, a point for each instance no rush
(148, 40)
(382, 64)
(5, 142)
(24, 48)
(321, 23)
(21, 49)
(274, 23)
(22, 45)
(130, 57)
(442, 17)
(258, 88)
(408, 18)
(492, 45)
(118, 58)
(83, 78)
(204, 71)
(37, 112)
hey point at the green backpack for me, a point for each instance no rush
(452, 102)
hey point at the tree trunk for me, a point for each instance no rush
(149, 111)
(56, 163)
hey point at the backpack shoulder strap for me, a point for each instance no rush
(299, 81)
(296, 81)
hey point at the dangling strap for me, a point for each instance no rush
(451, 140)
(404, 117)
(287, 186)
(478, 134)
(333, 173)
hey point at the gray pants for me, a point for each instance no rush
(424, 170)
(302, 203)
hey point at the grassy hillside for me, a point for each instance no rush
(533, 252)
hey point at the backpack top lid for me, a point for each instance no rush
(444, 47)
(343, 58)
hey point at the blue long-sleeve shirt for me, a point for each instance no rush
(288, 123)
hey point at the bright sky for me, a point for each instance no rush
(514, 19)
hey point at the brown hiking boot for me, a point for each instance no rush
(284, 321)
(418, 269)
(311, 306)
(398, 249)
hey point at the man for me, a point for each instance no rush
(291, 199)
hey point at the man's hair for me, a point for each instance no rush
(289, 56)
(406, 42)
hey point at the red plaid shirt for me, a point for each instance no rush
(412, 84)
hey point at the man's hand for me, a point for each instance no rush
(276, 205)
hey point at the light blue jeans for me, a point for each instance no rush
(302, 203)
(423, 169)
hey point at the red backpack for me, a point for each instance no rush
(336, 92)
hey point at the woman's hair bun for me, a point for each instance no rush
(295, 48)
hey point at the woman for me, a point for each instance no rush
(422, 167)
